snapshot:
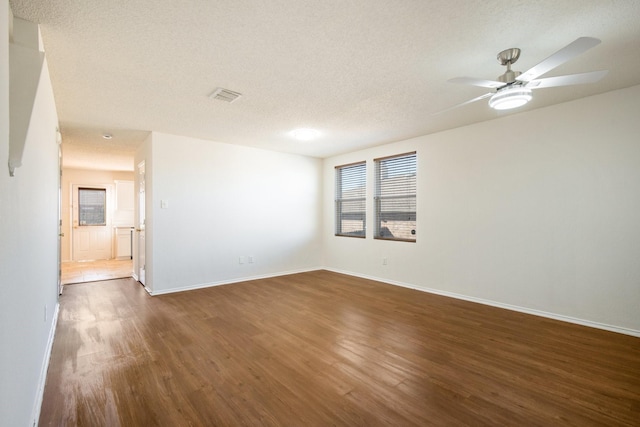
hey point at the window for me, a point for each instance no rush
(395, 198)
(91, 206)
(351, 200)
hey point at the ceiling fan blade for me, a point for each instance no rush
(486, 95)
(571, 79)
(568, 52)
(476, 82)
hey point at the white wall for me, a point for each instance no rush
(4, 75)
(226, 202)
(28, 255)
(538, 210)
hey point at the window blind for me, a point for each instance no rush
(91, 206)
(351, 200)
(395, 197)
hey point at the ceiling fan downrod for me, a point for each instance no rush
(508, 57)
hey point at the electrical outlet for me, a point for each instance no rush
(250, 259)
(241, 260)
(384, 261)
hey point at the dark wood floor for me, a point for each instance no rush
(319, 349)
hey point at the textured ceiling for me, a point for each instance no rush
(362, 72)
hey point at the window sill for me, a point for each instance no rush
(395, 240)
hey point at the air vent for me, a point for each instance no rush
(225, 95)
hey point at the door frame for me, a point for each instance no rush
(140, 249)
(60, 233)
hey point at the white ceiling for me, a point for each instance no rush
(363, 72)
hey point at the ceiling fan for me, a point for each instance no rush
(513, 88)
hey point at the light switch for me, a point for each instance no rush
(164, 204)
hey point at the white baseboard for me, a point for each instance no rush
(555, 316)
(228, 282)
(35, 413)
(561, 317)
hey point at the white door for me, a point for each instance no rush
(141, 224)
(91, 228)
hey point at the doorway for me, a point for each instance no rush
(98, 215)
(106, 171)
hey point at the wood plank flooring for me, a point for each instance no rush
(320, 349)
(92, 271)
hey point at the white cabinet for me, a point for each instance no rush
(123, 242)
(123, 207)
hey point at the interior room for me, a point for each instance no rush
(491, 278)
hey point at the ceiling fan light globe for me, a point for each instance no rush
(510, 98)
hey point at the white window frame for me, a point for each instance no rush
(395, 199)
(351, 199)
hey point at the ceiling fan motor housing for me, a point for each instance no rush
(509, 76)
